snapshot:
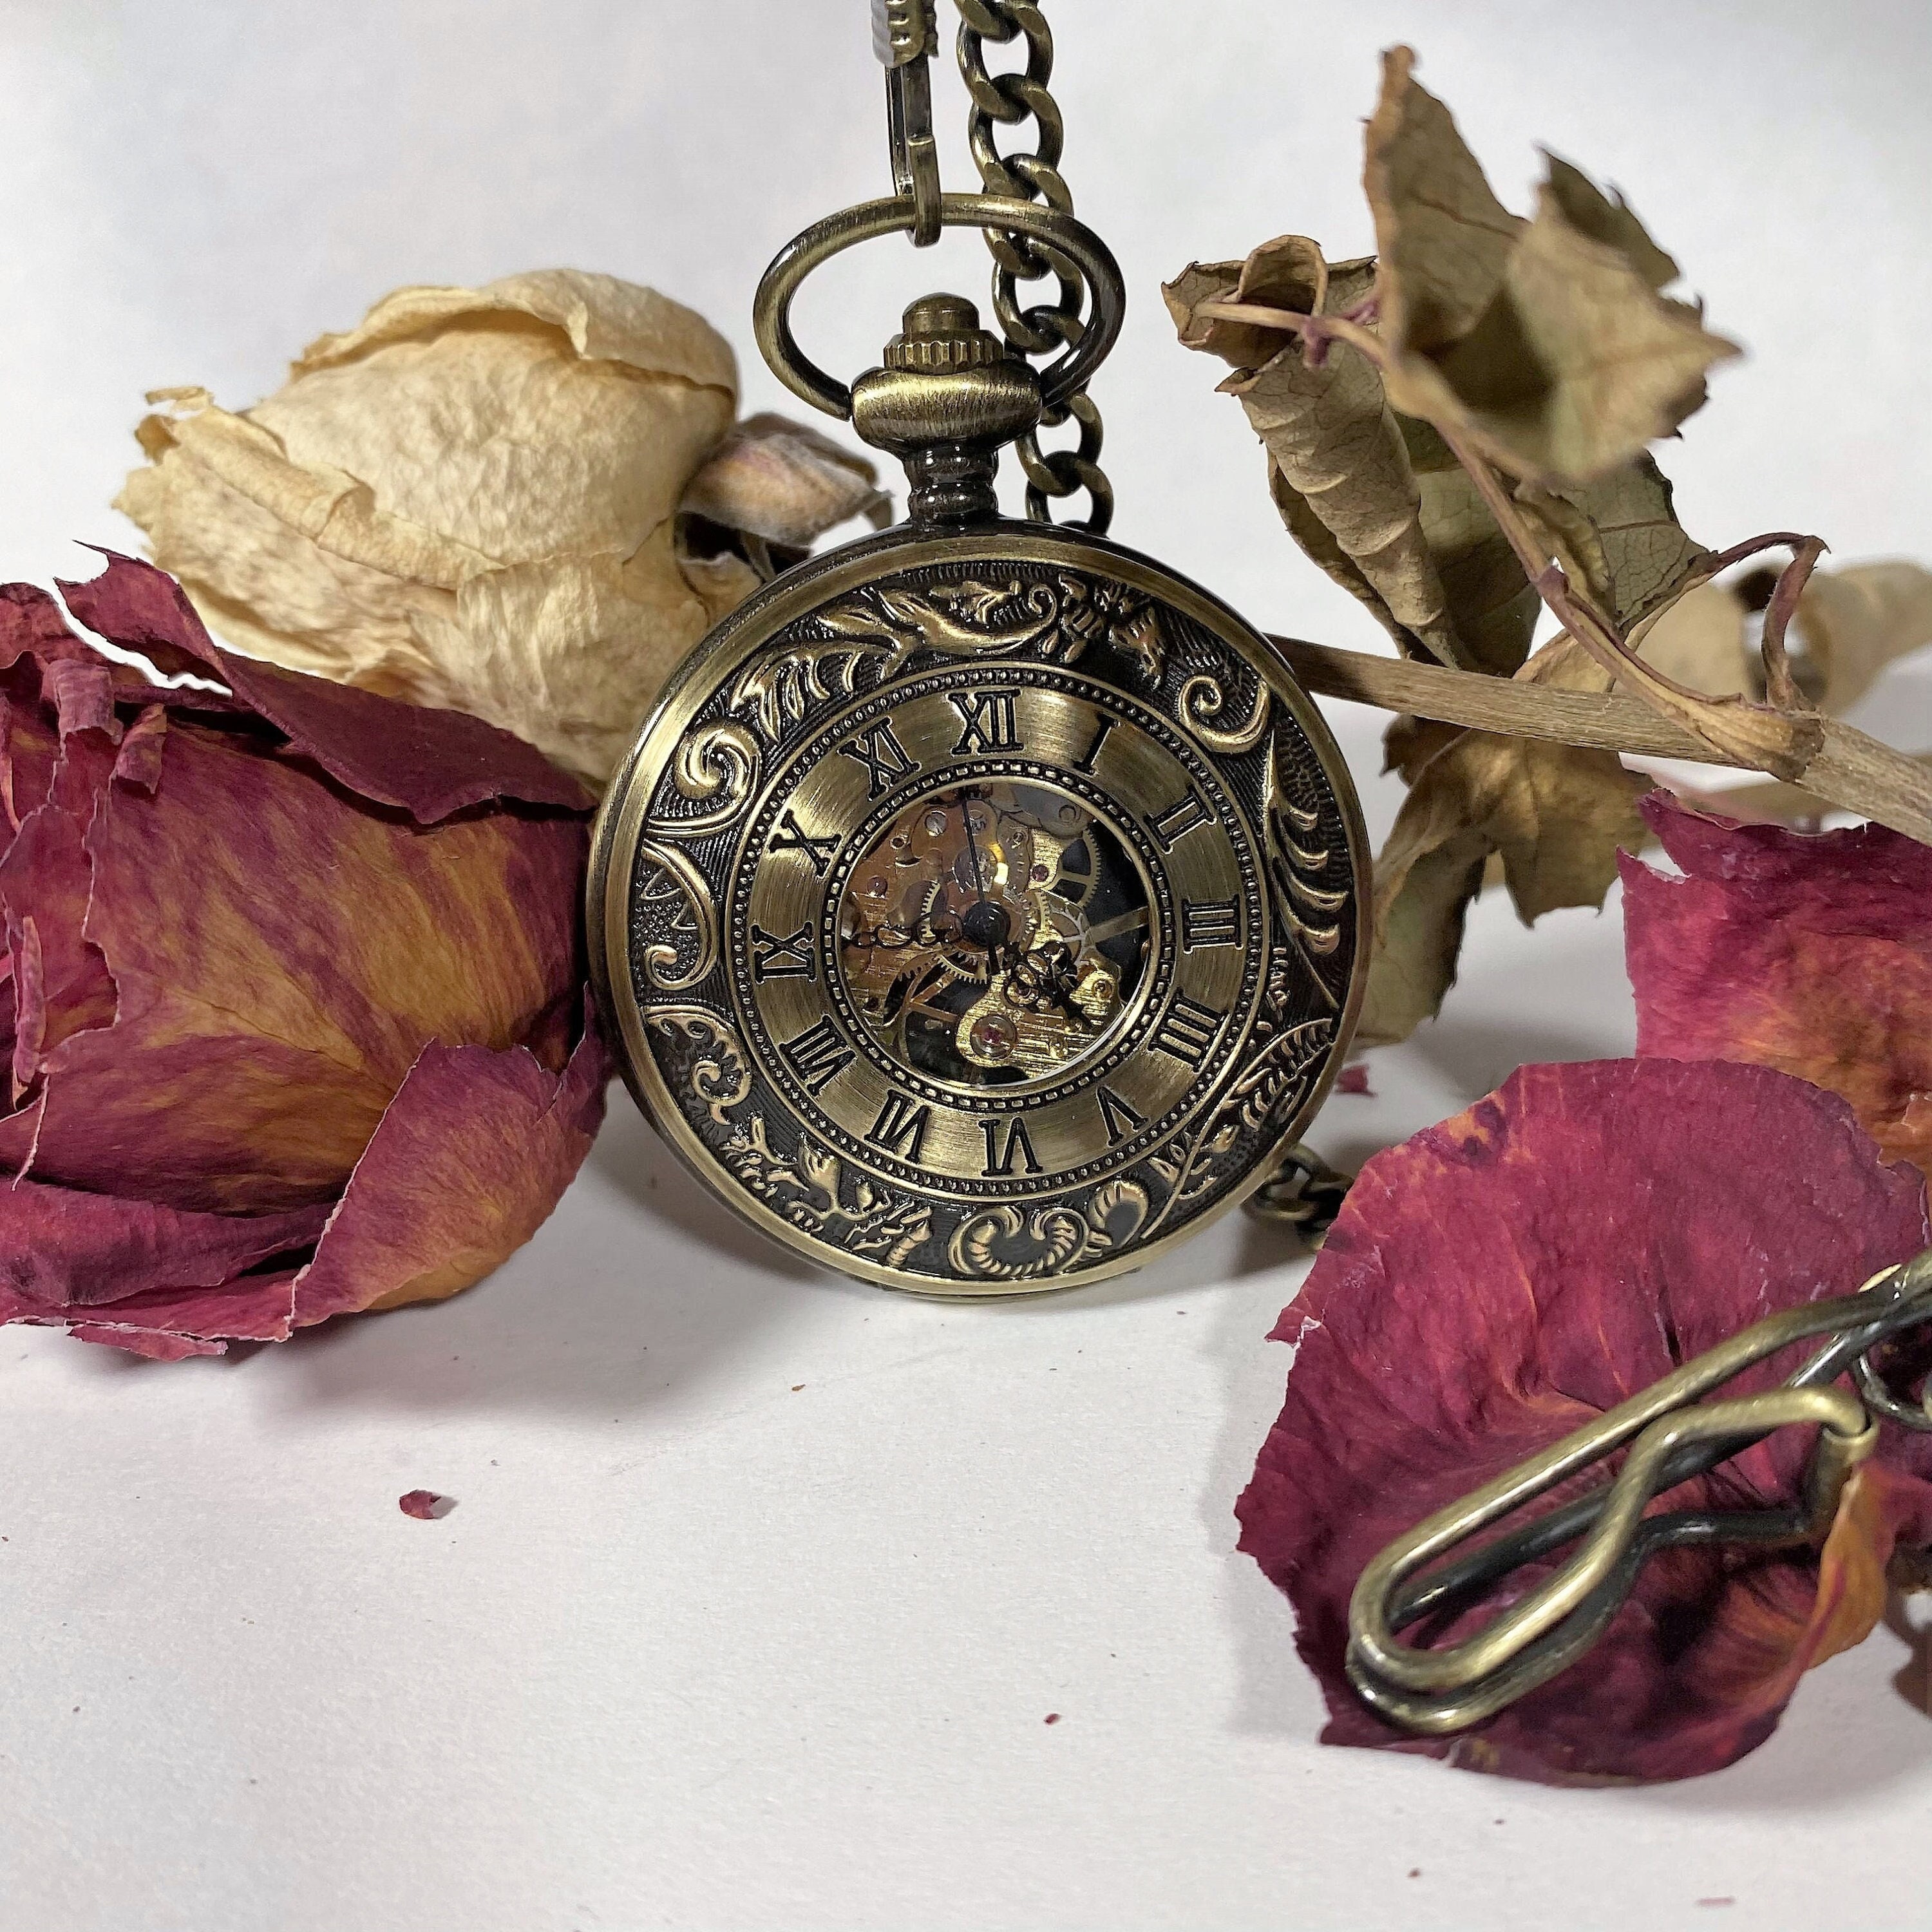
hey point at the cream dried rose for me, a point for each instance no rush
(525, 501)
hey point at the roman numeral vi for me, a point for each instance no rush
(1018, 1142)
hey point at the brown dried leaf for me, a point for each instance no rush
(1544, 345)
(1854, 622)
(1337, 466)
(1555, 815)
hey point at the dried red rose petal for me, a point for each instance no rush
(425, 1505)
(1808, 951)
(293, 995)
(1501, 1279)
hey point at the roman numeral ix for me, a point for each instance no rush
(788, 836)
(1019, 1142)
(1213, 923)
(901, 1127)
(1188, 1031)
(775, 958)
(818, 1056)
(883, 756)
(988, 716)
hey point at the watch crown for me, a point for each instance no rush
(942, 332)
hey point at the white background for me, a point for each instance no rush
(761, 1585)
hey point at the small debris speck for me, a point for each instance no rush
(796, 1386)
(1415, 1871)
(425, 1505)
(1053, 1717)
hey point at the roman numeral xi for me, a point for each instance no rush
(885, 759)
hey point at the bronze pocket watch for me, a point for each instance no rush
(981, 909)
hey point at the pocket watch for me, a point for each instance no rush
(981, 909)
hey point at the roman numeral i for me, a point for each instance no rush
(988, 716)
(1019, 1142)
(883, 756)
(817, 1056)
(1188, 1031)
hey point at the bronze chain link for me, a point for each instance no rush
(1042, 328)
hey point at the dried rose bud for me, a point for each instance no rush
(525, 501)
(293, 988)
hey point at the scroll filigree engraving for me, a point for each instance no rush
(674, 915)
(706, 1054)
(718, 761)
(813, 1192)
(1310, 911)
(780, 689)
(1202, 702)
(1058, 621)
(1006, 1244)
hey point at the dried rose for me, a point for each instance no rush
(293, 986)
(1498, 1282)
(520, 501)
(1810, 952)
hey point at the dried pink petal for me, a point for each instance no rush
(425, 1505)
(1811, 952)
(1497, 1282)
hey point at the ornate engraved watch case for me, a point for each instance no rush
(979, 910)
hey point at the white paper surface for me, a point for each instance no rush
(760, 1586)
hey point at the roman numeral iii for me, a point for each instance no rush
(883, 756)
(1171, 827)
(1212, 922)
(775, 958)
(901, 1127)
(818, 1056)
(988, 716)
(788, 836)
(1018, 1143)
(1188, 1031)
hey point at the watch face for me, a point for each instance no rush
(980, 912)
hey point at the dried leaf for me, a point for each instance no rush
(1337, 462)
(1811, 952)
(1504, 1278)
(471, 501)
(1853, 622)
(1544, 345)
(1557, 816)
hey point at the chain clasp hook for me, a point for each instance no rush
(905, 33)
